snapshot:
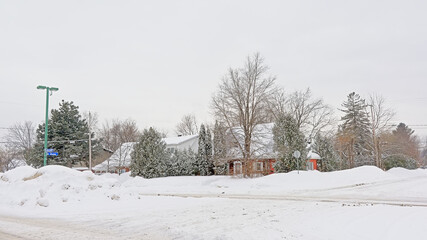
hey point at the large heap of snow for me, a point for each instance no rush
(26, 186)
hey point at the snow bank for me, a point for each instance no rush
(403, 172)
(26, 186)
(56, 185)
(18, 174)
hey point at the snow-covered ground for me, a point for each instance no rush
(55, 202)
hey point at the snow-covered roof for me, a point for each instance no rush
(313, 155)
(122, 156)
(178, 140)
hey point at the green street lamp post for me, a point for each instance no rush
(51, 89)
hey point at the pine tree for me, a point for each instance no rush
(288, 139)
(67, 134)
(202, 158)
(355, 128)
(219, 149)
(149, 157)
(173, 167)
(184, 160)
(181, 163)
(402, 141)
(208, 146)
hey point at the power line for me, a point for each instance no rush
(64, 141)
(412, 125)
(57, 141)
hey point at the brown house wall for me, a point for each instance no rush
(267, 166)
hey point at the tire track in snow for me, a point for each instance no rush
(326, 194)
(351, 200)
(9, 236)
(41, 228)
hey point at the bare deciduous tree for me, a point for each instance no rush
(187, 126)
(92, 120)
(21, 138)
(380, 117)
(117, 132)
(243, 100)
(278, 105)
(6, 159)
(312, 115)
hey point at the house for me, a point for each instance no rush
(312, 160)
(262, 153)
(182, 143)
(100, 156)
(121, 159)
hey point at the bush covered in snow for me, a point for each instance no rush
(399, 160)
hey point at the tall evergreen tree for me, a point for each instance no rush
(355, 129)
(149, 157)
(67, 134)
(208, 146)
(402, 141)
(202, 153)
(288, 139)
(219, 149)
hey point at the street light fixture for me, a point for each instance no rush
(51, 89)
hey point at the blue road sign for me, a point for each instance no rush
(49, 150)
(52, 154)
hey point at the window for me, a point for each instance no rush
(237, 167)
(258, 166)
(171, 150)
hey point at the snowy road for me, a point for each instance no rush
(40, 228)
(362, 193)
(208, 218)
(19, 228)
(339, 199)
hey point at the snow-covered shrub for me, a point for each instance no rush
(399, 160)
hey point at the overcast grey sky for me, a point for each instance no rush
(154, 61)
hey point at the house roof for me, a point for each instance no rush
(122, 156)
(178, 140)
(313, 155)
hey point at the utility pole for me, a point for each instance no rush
(51, 89)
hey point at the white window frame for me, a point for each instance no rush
(261, 166)
(237, 165)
